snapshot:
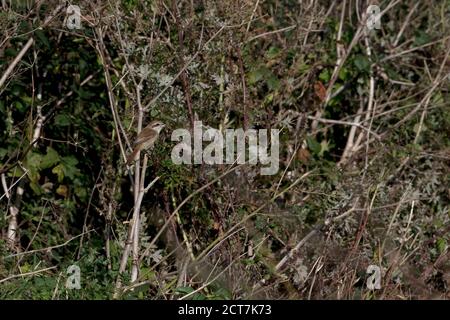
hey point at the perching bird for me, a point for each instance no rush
(146, 139)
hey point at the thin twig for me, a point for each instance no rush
(27, 274)
(48, 248)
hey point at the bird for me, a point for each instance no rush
(146, 139)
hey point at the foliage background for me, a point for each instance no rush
(250, 64)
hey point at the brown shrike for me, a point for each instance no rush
(146, 139)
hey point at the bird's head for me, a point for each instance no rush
(157, 125)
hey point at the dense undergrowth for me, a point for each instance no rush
(364, 173)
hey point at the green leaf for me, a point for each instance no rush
(17, 90)
(62, 120)
(325, 75)
(258, 74)
(3, 152)
(184, 290)
(36, 188)
(313, 145)
(198, 296)
(40, 34)
(421, 38)
(303, 68)
(33, 160)
(16, 173)
(362, 63)
(273, 52)
(343, 74)
(441, 245)
(223, 293)
(81, 193)
(324, 147)
(69, 166)
(70, 161)
(154, 113)
(19, 106)
(27, 100)
(59, 171)
(10, 52)
(50, 159)
(273, 83)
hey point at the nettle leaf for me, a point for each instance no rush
(50, 159)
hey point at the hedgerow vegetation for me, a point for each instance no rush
(364, 174)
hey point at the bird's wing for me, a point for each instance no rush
(145, 135)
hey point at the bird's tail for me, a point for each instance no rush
(132, 156)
